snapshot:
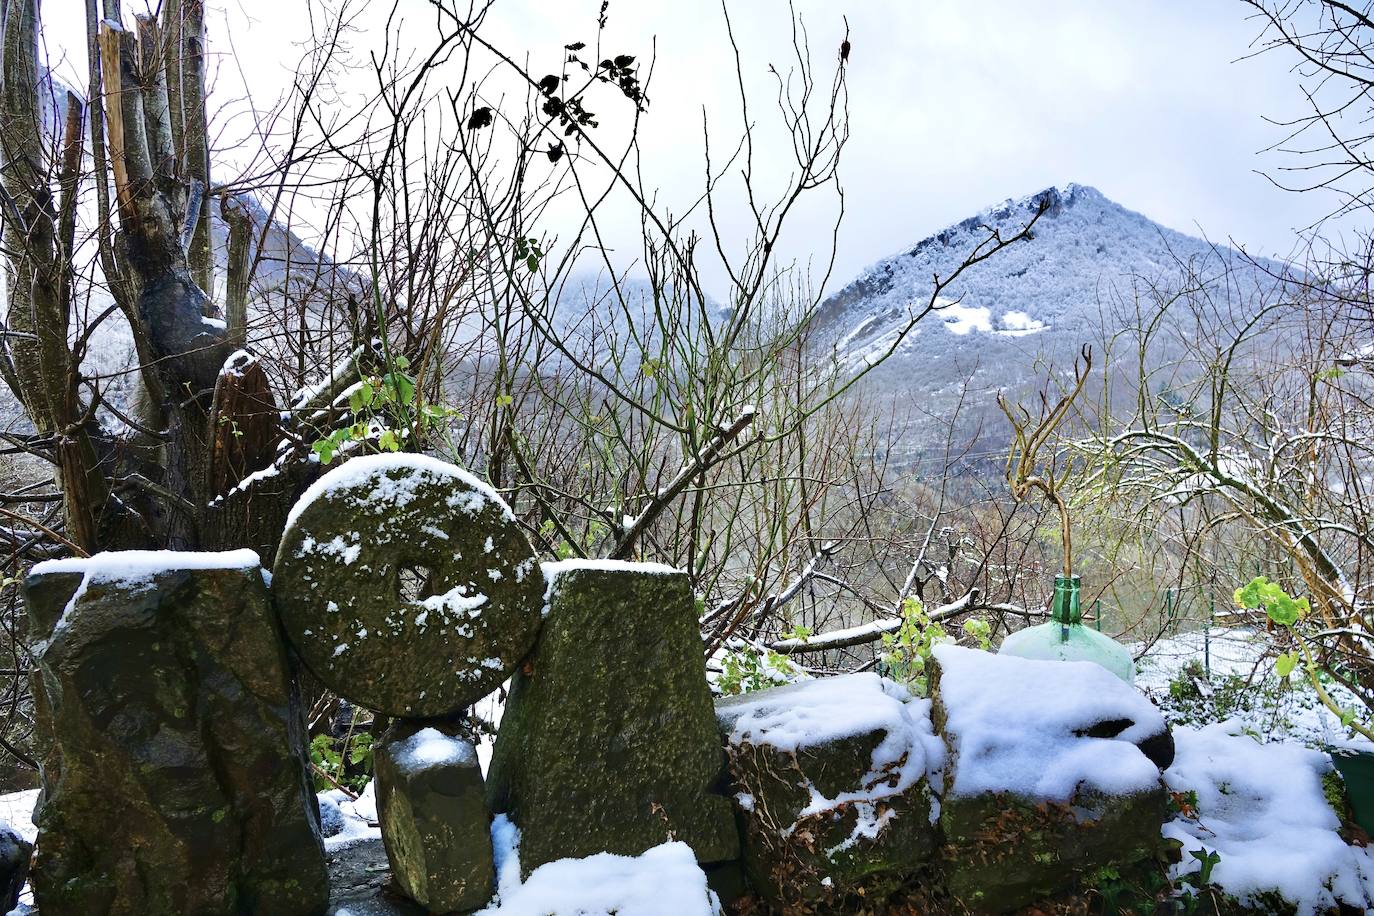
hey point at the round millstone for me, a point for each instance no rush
(406, 585)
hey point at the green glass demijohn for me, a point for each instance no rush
(1065, 638)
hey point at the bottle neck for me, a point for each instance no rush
(1065, 609)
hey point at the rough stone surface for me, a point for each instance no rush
(173, 765)
(406, 585)
(862, 838)
(433, 812)
(1004, 851)
(608, 741)
(360, 885)
(14, 866)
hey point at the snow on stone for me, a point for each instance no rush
(335, 547)
(430, 747)
(816, 712)
(556, 568)
(370, 470)
(663, 879)
(454, 601)
(552, 570)
(137, 568)
(131, 566)
(1014, 726)
(359, 816)
(1260, 807)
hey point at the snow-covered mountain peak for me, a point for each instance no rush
(988, 326)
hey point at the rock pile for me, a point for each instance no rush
(175, 780)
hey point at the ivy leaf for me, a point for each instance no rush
(402, 362)
(388, 442)
(549, 84)
(555, 152)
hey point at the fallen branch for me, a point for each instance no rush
(869, 632)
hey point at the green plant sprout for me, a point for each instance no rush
(907, 650)
(1287, 612)
(385, 409)
(749, 668)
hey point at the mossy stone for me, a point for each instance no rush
(819, 861)
(173, 761)
(434, 821)
(408, 588)
(1003, 852)
(608, 741)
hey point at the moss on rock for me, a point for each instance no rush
(608, 741)
(823, 826)
(173, 764)
(406, 586)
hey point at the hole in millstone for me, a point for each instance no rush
(414, 583)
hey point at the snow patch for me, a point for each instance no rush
(371, 471)
(1260, 807)
(663, 879)
(1015, 725)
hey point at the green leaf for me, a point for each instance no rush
(402, 362)
(504, 400)
(324, 449)
(1282, 608)
(388, 442)
(401, 387)
(532, 262)
(1285, 663)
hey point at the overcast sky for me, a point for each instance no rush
(954, 105)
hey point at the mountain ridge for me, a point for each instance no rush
(1004, 320)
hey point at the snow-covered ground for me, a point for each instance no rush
(605, 883)
(1244, 685)
(1261, 810)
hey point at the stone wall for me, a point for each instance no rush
(173, 747)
